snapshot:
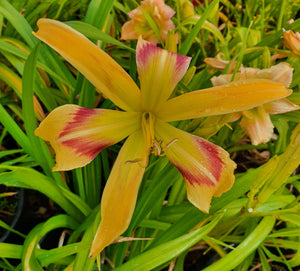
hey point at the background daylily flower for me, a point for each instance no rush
(77, 134)
(256, 122)
(291, 40)
(139, 26)
(218, 63)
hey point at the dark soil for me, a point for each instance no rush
(8, 205)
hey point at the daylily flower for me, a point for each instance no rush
(78, 134)
(139, 26)
(218, 63)
(256, 122)
(291, 40)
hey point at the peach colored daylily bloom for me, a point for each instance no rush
(256, 122)
(139, 26)
(218, 63)
(291, 40)
(78, 134)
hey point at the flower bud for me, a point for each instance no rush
(186, 9)
(291, 41)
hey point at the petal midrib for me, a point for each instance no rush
(96, 130)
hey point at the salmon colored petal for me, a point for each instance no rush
(246, 73)
(281, 73)
(159, 72)
(207, 168)
(120, 193)
(280, 106)
(161, 15)
(236, 96)
(216, 63)
(291, 40)
(78, 134)
(129, 32)
(97, 66)
(257, 125)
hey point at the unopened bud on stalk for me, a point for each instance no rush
(291, 40)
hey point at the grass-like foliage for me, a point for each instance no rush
(255, 225)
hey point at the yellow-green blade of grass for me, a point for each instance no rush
(8, 228)
(96, 34)
(82, 261)
(169, 250)
(18, 21)
(283, 166)
(15, 131)
(11, 251)
(29, 259)
(187, 44)
(245, 248)
(61, 255)
(98, 11)
(194, 216)
(40, 150)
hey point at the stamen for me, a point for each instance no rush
(156, 148)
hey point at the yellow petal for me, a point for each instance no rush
(159, 72)
(207, 168)
(97, 66)
(120, 193)
(236, 96)
(257, 125)
(78, 134)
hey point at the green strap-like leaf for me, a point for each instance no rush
(245, 248)
(167, 251)
(187, 44)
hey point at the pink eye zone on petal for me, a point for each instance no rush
(212, 155)
(213, 164)
(84, 148)
(78, 134)
(206, 168)
(83, 145)
(79, 118)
